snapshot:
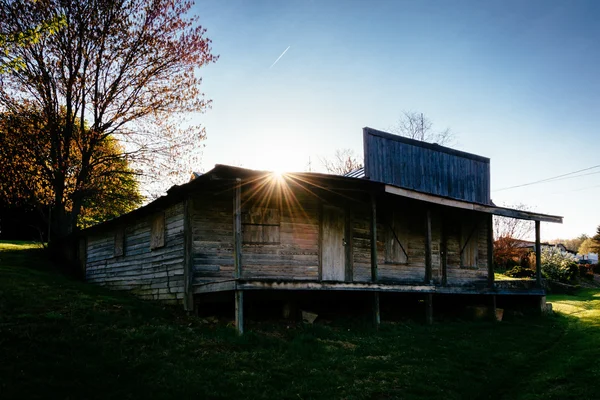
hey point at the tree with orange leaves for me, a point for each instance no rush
(111, 190)
(121, 72)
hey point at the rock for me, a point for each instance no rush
(309, 317)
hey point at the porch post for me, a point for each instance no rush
(429, 308)
(538, 256)
(374, 271)
(237, 228)
(237, 254)
(444, 252)
(239, 311)
(428, 247)
(490, 250)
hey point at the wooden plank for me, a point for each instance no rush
(239, 312)
(119, 241)
(157, 231)
(490, 250)
(469, 241)
(538, 256)
(278, 284)
(374, 272)
(188, 258)
(332, 244)
(376, 312)
(428, 251)
(237, 228)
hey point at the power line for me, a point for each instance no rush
(551, 179)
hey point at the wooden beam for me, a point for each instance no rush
(239, 311)
(277, 284)
(348, 247)
(374, 271)
(444, 253)
(188, 267)
(428, 242)
(538, 256)
(237, 228)
(376, 313)
(490, 250)
(429, 308)
(505, 212)
(216, 286)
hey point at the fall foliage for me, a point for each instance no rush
(112, 189)
(116, 75)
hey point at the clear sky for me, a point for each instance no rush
(518, 81)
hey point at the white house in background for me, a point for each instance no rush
(591, 258)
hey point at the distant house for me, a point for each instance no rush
(589, 258)
(529, 245)
(417, 220)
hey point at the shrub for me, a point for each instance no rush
(559, 266)
(586, 271)
(520, 272)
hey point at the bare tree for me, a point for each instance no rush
(417, 126)
(343, 161)
(124, 70)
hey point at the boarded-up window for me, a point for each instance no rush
(119, 242)
(396, 245)
(157, 231)
(468, 243)
(261, 225)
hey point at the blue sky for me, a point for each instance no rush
(516, 80)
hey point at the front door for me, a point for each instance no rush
(332, 244)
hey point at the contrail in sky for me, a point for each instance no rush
(279, 58)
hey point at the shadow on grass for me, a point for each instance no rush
(60, 338)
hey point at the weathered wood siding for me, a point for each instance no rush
(152, 274)
(288, 249)
(426, 167)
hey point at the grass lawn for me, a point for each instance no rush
(64, 339)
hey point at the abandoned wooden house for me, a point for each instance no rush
(417, 219)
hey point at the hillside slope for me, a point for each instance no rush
(60, 338)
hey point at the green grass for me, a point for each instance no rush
(60, 338)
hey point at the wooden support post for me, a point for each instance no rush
(542, 304)
(444, 253)
(237, 254)
(538, 256)
(237, 228)
(188, 267)
(348, 247)
(376, 314)
(239, 311)
(429, 308)
(493, 306)
(490, 250)
(428, 247)
(374, 271)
